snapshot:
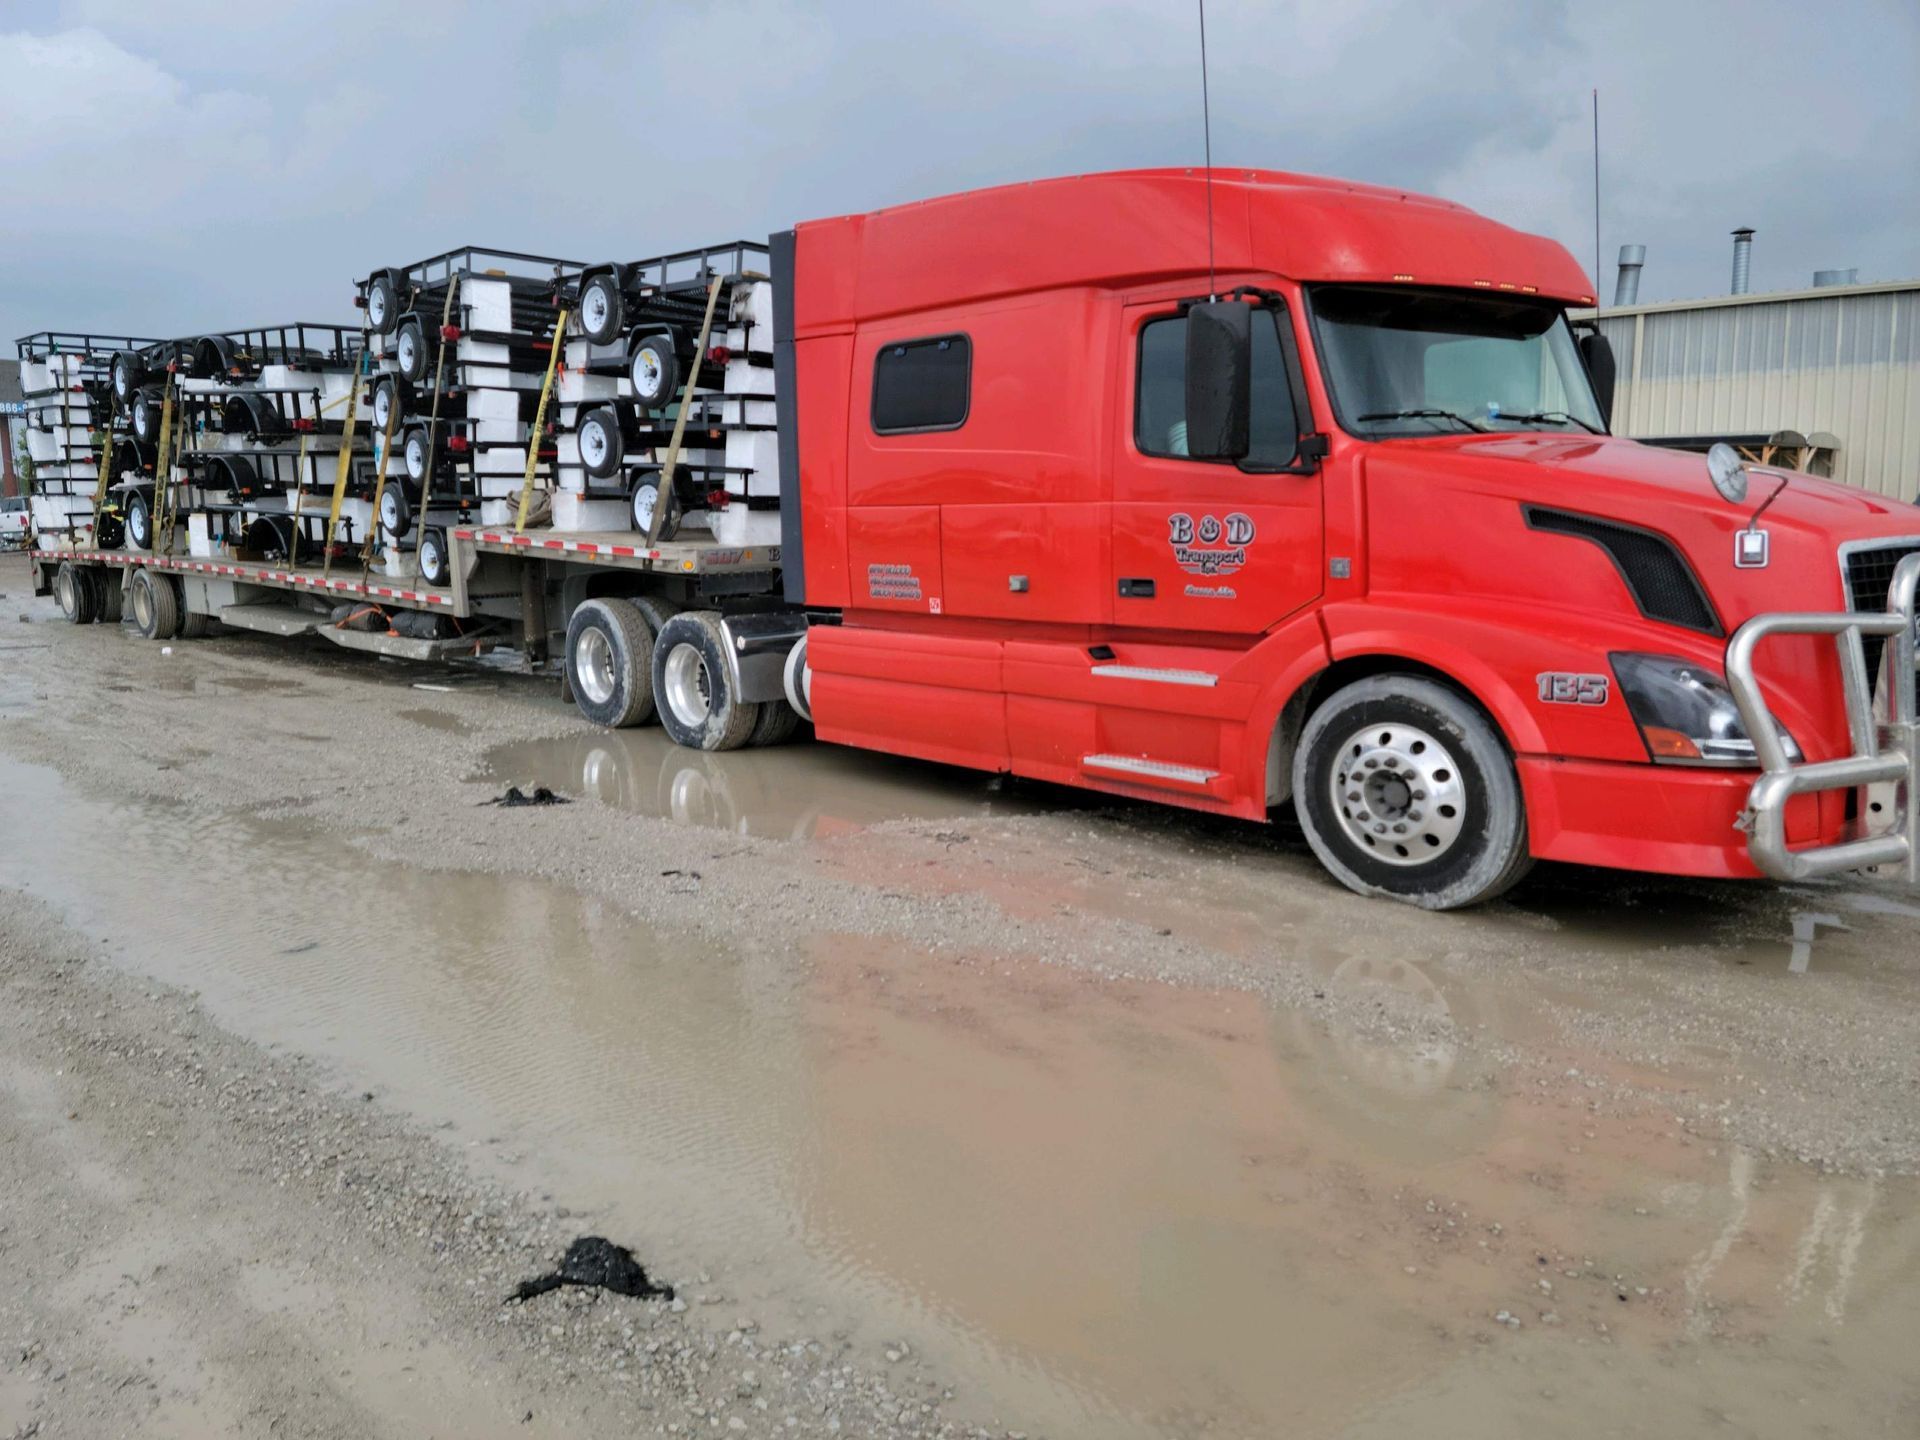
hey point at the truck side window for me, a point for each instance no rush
(1160, 404)
(922, 385)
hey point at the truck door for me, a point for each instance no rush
(1211, 545)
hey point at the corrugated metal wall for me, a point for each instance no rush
(1847, 363)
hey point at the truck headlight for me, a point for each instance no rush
(1686, 713)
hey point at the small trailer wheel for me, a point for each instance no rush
(140, 519)
(111, 532)
(411, 351)
(389, 403)
(610, 662)
(602, 445)
(602, 312)
(693, 687)
(646, 494)
(74, 594)
(1407, 791)
(383, 303)
(396, 516)
(154, 604)
(127, 372)
(656, 371)
(145, 417)
(416, 454)
(436, 568)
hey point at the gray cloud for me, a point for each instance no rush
(201, 165)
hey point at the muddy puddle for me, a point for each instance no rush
(794, 792)
(1104, 1208)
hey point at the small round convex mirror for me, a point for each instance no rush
(1729, 475)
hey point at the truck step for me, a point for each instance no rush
(1153, 772)
(271, 619)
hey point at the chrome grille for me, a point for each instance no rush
(1868, 568)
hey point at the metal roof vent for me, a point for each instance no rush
(1823, 278)
(1742, 258)
(1626, 289)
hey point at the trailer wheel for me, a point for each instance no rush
(602, 313)
(646, 494)
(145, 417)
(127, 372)
(656, 371)
(389, 403)
(416, 454)
(111, 532)
(139, 519)
(396, 516)
(602, 446)
(778, 720)
(693, 687)
(73, 594)
(1406, 790)
(154, 604)
(193, 625)
(435, 566)
(411, 350)
(108, 587)
(610, 662)
(383, 303)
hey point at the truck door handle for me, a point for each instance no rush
(1136, 589)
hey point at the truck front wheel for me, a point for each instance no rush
(694, 688)
(1406, 790)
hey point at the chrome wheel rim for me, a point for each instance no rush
(63, 592)
(1397, 793)
(142, 606)
(593, 666)
(689, 690)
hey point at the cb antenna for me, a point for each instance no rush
(1206, 131)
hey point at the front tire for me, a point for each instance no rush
(694, 689)
(1405, 790)
(610, 663)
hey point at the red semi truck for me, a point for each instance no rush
(1238, 490)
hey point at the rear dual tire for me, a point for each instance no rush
(694, 689)
(153, 604)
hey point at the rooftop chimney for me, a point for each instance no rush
(1823, 278)
(1742, 258)
(1626, 289)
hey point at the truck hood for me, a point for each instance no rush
(1609, 476)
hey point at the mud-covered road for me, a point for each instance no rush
(950, 1106)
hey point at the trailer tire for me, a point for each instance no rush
(1430, 812)
(139, 519)
(693, 687)
(193, 625)
(145, 414)
(388, 402)
(111, 531)
(436, 568)
(108, 587)
(610, 665)
(416, 454)
(602, 444)
(383, 302)
(776, 725)
(73, 594)
(412, 351)
(153, 604)
(603, 314)
(126, 372)
(646, 492)
(396, 516)
(655, 368)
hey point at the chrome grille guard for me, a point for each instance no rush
(1886, 741)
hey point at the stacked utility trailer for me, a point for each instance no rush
(64, 378)
(480, 464)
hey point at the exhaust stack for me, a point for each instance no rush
(1626, 288)
(1742, 259)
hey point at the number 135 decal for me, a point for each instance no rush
(1558, 688)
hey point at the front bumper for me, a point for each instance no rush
(1883, 724)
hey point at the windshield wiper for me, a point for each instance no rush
(1554, 417)
(1422, 415)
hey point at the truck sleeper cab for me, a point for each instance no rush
(1338, 522)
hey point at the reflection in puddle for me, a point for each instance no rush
(794, 792)
(1106, 1208)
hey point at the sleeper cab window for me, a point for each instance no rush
(1160, 399)
(921, 385)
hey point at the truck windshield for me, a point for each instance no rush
(1406, 362)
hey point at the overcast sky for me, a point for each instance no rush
(205, 164)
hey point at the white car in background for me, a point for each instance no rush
(13, 522)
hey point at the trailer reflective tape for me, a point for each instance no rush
(540, 420)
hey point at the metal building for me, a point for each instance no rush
(1836, 368)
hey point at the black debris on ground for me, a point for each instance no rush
(597, 1262)
(514, 798)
